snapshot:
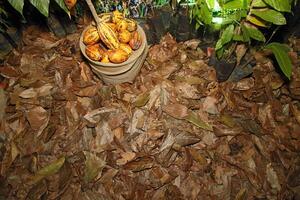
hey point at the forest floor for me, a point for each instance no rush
(174, 133)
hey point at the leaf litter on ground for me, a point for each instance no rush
(175, 133)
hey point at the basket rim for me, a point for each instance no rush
(133, 57)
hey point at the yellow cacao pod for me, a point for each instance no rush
(131, 25)
(94, 52)
(117, 55)
(122, 25)
(108, 36)
(124, 36)
(112, 26)
(117, 16)
(105, 58)
(105, 17)
(126, 48)
(91, 36)
(70, 3)
(135, 41)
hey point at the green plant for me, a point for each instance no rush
(41, 5)
(244, 21)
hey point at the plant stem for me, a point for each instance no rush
(276, 29)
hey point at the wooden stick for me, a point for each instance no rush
(94, 13)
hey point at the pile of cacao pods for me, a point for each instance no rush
(115, 39)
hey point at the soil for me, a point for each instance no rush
(174, 133)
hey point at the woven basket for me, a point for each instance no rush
(112, 73)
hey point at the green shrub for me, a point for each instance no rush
(243, 21)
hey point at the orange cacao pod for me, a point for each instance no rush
(131, 25)
(105, 58)
(94, 52)
(122, 25)
(124, 36)
(117, 55)
(126, 48)
(135, 41)
(91, 36)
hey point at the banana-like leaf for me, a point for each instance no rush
(63, 6)
(280, 5)
(42, 6)
(18, 5)
(205, 14)
(258, 3)
(270, 15)
(281, 54)
(254, 20)
(237, 4)
(254, 33)
(225, 37)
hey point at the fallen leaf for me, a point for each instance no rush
(126, 157)
(48, 170)
(194, 119)
(272, 178)
(38, 119)
(2, 104)
(29, 93)
(176, 110)
(142, 99)
(93, 166)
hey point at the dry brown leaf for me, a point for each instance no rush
(38, 119)
(176, 110)
(126, 157)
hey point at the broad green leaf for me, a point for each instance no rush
(255, 34)
(220, 53)
(225, 37)
(42, 6)
(281, 54)
(246, 34)
(210, 4)
(258, 3)
(18, 5)
(255, 21)
(63, 6)
(270, 15)
(237, 4)
(48, 170)
(205, 14)
(194, 119)
(237, 37)
(280, 5)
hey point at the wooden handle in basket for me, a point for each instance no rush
(94, 13)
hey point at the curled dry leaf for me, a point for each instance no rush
(176, 110)
(38, 119)
(126, 157)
